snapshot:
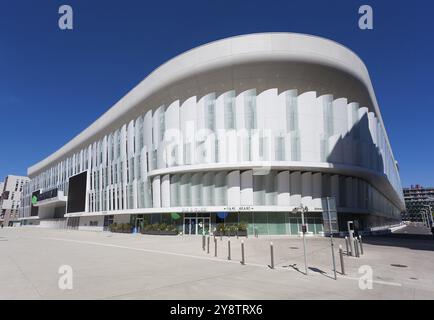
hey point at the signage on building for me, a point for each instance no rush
(240, 208)
(34, 210)
(46, 195)
(194, 209)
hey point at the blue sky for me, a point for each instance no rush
(54, 83)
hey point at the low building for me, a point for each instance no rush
(10, 199)
(417, 199)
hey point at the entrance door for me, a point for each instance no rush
(190, 226)
(108, 220)
(203, 225)
(139, 222)
(197, 225)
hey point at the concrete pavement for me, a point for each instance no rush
(124, 266)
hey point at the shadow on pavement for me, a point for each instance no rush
(320, 272)
(413, 242)
(294, 266)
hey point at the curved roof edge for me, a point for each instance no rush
(279, 46)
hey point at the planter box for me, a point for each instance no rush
(161, 233)
(120, 231)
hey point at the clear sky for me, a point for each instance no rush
(54, 83)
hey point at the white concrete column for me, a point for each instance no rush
(295, 191)
(165, 191)
(156, 192)
(208, 189)
(271, 189)
(334, 188)
(308, 124)
(196, 189)
(247, 187)
(317, 190)
(233, 180)
(283, 195)
(306, 189)
(349, 193)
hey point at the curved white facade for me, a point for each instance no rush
(252, 124)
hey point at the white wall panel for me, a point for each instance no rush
(188, 129)
(185, 187)
(196, 189)
(173, 138)
(283, 195)
(306, 189)
(208, 189)
(271, 189)
(349, 192)
(156, 192)
(165, 191)
(307, 103)
(334, 185)
(233, 182)
(295, 192)
(247, 187)
(130, 139)
(316, 190)
(147, 130)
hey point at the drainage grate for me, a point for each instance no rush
(294, 248)
(399, 266)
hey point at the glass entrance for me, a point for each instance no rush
(189, 225)
(203, 225)
(199, 225)
(139, 223)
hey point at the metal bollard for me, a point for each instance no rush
(347, 246)
(361, 245)
(215, 248)
(229, 249)
(243, 261)
(203, 242)
(256, 232)
(272, 255)
(207, 244)
(356, 249)
(341, 255)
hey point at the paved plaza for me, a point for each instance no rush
(134, 266)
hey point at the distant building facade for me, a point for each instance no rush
(416, 199)
(10, 199)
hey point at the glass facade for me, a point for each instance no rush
(128, 168)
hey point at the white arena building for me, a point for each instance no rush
(238, 131)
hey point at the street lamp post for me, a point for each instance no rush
(302, 210)
(331, 236)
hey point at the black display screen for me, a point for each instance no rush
(77, 193)
(34, 210)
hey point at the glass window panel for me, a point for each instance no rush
(276, 223)
(261, 225)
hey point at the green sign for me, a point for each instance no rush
(34, 200)
(175, 216)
